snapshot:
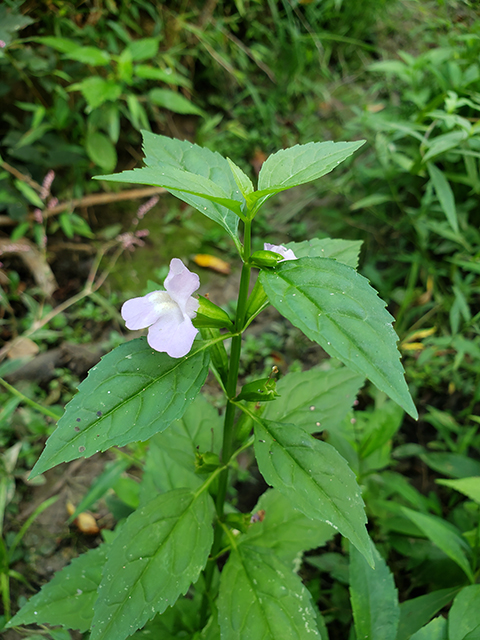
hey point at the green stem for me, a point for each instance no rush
(32, 403)
(231, 388)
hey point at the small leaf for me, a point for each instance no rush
(416, 612)
(243, 181)
(434, 630)
(97, 90)
(335, 306)
(442, 535)
(69, 597)
(314, 477)
(173, 101)
(470, 487)
(143, 48)
(133, 393)
(161, 550)
(89, 55)
(170, 462)
(101, 151)
(64, 45)
(302, 163)
(464, 616)
(374, 597)
(444, 194)
(345, 251)
(283, 529)
(261, 599)
(315, 400)
(455, 465)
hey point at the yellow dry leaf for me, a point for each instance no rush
(211, 262)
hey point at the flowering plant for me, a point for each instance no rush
(186, 562)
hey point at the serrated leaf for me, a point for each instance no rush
(97, 90)
(261, 599)
(243, 181)
(441, 534)
(336, 307)
(88, 55)
(316, 399)
(470, 487)
(285, 530)
(133, 393)
(444, 194)
(374, 597)
(69, 597)
(196, 175)
(314, 477)
(300, 164)
(464, 616)
(416, 612)
(163, 548)
(345, 251)
(170, 462)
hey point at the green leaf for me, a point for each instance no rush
(89, 55)
(261, 599)
(336, 307)
(300, 164)
(434, 630)
(101, 150)
(64, 45)
(30, 194)
(442, 535)
(96, 90)
(314, 476)
(196, 175)
(143, 48)
(444, 194)
(470, 487)
(284, 529)
(464, 616)
(345, 251)
(315, 400)
(170, 462)
(374, 597)
(162, 549)
(416, 612)
(133, 393)
(69, 597)
(173, 101)
(443, 143)
(243, 181)
(163, 75)
(455, 465)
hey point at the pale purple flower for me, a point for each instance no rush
(283, 251)
(3, 44)
(169, 313)
(38, 215)
(131, 240)
(46, 184)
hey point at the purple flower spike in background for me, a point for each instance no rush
(168, 313)
(283, 251)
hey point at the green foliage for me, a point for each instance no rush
(119, 392)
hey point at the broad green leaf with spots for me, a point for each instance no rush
(268, 602)
(335, 306)
(315, 400)
(314, 477)
(163, 547)
(345, 251)
(284, 529)
(131, 394)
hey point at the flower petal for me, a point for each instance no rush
(139, 313)
(181, 283)
(283, 251)
(169, 336)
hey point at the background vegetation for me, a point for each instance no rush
(246, 77)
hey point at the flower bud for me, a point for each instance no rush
(261, 390)
(209, 315)
(265, 258)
